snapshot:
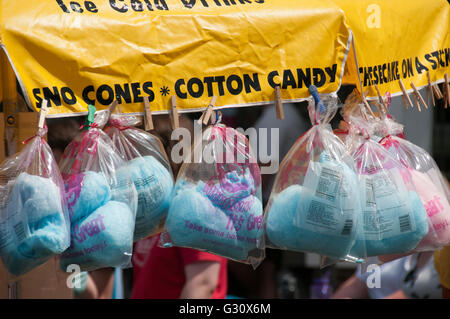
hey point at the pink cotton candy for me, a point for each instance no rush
(438, 210)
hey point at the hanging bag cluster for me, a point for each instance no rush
(427, 179)
(216, 205)
(149, 169)
(314, 203)
(34, 223)
(394, 218)
(101, 198)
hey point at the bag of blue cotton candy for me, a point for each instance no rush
(150, 171)
(216, 206)
(314, 204)
(101, 199)
(395, 219)
(34, 223)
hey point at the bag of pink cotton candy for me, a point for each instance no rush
(429, 184)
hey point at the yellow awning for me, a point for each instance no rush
(398, 40)
(90, 52)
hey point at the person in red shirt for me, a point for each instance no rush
(176, 272)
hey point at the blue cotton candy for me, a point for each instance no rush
(284, 231)
(320, 216)
(36, 228)
(85, 193)
(281, 231)
(49, 236)
(182, 185)
(247, 215)
(238, 185)
(39, 197)
(123, 190)
(103, 239)
(154, 185)
(400, 242)
(193, 221)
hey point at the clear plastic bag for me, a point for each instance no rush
(34, 223)
(216, 205)
(314, 204)
(102, 200)
(428, 182)
(150, 170)
(355, 109)
(395, 220)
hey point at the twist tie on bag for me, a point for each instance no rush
(365, 134)
(90, 142)
(388, 142)
(218, 117)
(40, 133)
(319, 105)
(117, 124)
(89, 123)
(389, 99)
(88, 126)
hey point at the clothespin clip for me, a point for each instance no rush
(206, 115)
(213, 117)
(430, 90)
(148, 120)
(437, 92)
(366, 104)
(446, 90)
(112, 107)
(381, 100)
(405, 95)
(418, 97)
(404, 102)
(415, 100)
(42, 114)
(175, 119)
(445, 99)
(362, 111)
(279, 103)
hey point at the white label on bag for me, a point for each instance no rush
(323, 180)
(328, 218)
(330, 212)
(329, 184)
(387, 211)
(13, 229)
(19, 226)
(370, 196)
(149, 197)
